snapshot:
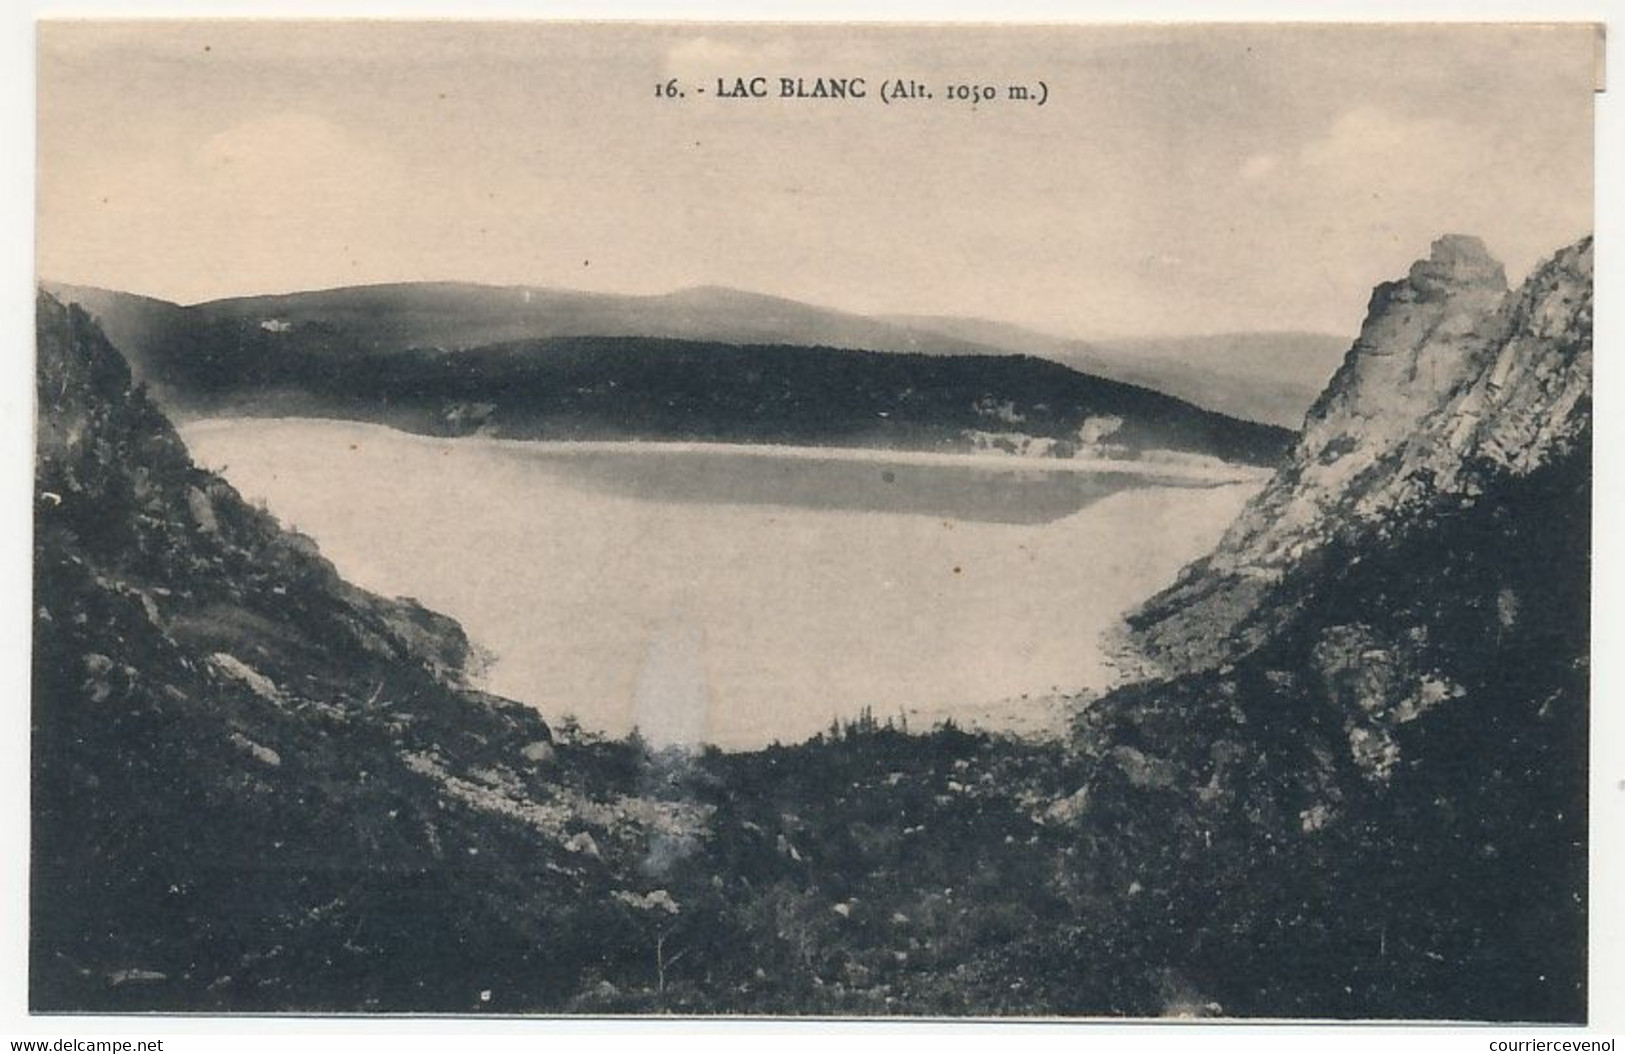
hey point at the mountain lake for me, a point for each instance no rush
(739, 595)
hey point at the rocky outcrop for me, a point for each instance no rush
(1371, 726)
(1452, 377)
(256, 786)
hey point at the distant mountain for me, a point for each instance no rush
(420, 357)
(1369, 732)
(1270, 377)
(460, 315)
(1265, 377)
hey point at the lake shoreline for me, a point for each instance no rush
(1175, 472)
(740, 595)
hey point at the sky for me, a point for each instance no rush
(1177, 179)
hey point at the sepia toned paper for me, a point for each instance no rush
(813, 520)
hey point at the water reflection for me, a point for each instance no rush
(980, 489)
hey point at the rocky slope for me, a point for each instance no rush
(256, 786)
(1360, 788)
(1451, 380)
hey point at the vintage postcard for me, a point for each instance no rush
(1069, 521)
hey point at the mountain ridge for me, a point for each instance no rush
(1271, 376)
(361, 354)
(455, 315)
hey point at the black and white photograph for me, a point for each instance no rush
(1066, 522)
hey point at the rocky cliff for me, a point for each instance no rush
(1453, 379)
(1360, 787)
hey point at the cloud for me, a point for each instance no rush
(1367, 136)
(1375, 173)
(1372, 151)
(1354, 200)
(291, 161)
